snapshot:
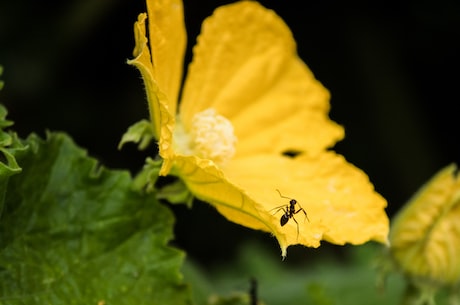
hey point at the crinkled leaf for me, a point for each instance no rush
(73, 232)
(9, 146)
(3, 121)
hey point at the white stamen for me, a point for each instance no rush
(211, 137)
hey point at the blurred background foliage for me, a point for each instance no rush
(391, 66)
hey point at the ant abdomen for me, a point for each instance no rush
(284, 219)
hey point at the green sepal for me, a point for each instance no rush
(145, 180)
(176, 193)
(140, 133)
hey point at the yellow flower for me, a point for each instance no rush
(246, 101)
(425, 235)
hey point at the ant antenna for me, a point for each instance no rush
(282, 195)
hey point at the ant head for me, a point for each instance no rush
(292, 201)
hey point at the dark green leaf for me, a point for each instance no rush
(73, 232)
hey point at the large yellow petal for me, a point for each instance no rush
(239, 55)
(245, 66)
(340, 202)
(230, 40)
(167, 44)
(292, 115)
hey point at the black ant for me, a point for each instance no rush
(289, 211)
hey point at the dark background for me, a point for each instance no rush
(392, 69)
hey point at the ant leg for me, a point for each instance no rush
(305, 213)
(293, 218)
(281, 207)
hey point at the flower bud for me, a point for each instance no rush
(425, 235)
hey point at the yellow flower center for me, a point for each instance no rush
(211, 137)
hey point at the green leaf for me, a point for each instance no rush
(73, 232)
(9, 146)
